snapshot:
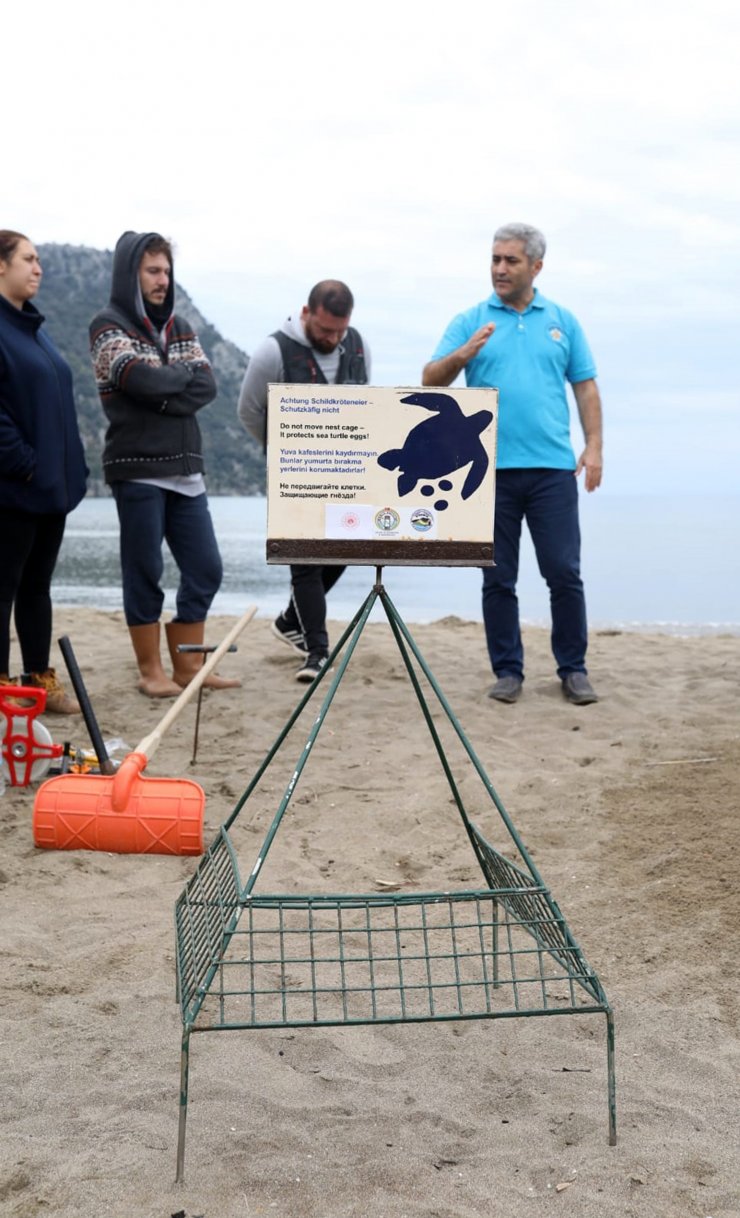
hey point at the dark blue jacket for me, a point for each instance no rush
(42, 463)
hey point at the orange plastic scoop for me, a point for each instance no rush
(127, 813)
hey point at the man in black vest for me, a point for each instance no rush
(319, 347)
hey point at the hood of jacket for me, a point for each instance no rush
(125, 289)
(293, 327)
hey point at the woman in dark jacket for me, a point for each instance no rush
(42, 469)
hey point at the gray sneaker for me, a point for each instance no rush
(578, 689)
(506, 689)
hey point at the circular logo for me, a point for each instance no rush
(387, 520)
(555, 334)
(350, 520)
(421, 520)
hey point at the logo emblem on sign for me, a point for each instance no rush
(421, 520)
(387, 520)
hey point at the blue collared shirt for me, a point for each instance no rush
(528, 358)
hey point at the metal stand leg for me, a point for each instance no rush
(611, 1079)
(184, 1069)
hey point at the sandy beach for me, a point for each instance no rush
(630, 810)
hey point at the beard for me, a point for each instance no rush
(319, 341)
(323, 345)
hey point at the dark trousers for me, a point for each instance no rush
(29, 546)
(149, 516)
(309, 585)
(548, 500)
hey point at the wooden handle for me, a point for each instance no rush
(150, 743)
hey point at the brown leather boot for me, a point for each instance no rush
(5, 680)
(153, 680)
(186, 664)
(57, 701)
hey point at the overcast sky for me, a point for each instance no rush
(382, 143)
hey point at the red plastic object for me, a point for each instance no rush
(21, 749)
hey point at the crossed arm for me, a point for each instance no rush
(181, 387)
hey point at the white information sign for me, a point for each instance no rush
(363, 474)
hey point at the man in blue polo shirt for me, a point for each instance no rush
(528, 348)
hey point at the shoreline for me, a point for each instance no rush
(232, 605)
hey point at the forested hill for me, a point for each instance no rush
(75, 286)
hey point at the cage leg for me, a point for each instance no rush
(611, 1078)
(184, 1070)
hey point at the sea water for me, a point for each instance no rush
(649, 563)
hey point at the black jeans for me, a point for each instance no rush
(29, 546)
(309, 585)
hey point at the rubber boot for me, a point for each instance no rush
(186, 664)
(153, 681)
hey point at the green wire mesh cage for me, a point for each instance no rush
(248, 960)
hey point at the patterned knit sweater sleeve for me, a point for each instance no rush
(129, 362)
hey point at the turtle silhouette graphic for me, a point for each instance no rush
(448, 441)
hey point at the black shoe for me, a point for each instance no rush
(312, 667)
(286, 634)
(578, 689)
(506, 689)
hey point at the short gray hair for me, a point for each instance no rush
(533, 240)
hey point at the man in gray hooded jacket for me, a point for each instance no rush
(153, 377)
(316, 347)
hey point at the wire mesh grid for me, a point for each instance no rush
(535, 908)
(205, 912)
(349, 959)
